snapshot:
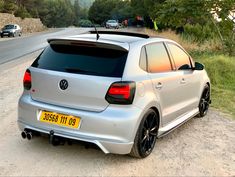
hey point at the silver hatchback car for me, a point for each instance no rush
(120, 91)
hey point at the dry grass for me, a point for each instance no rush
(212, 45)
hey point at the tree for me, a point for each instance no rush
(100, 11)
(122, 11)
(77, 11)
(198, 14)
(178, 13)
(1, 5)
(22, 12)
(9, 6)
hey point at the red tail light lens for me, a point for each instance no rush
(27, 80)
(121, 93)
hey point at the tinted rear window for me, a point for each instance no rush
(82, 60)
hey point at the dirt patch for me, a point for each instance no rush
(201, 147)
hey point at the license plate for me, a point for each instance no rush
(60, 119)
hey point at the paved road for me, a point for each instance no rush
(15, 48)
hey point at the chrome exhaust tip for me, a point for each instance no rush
(24, 134)
(29, 135)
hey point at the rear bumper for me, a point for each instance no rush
(113, 130)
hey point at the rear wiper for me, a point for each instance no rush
(81, 71)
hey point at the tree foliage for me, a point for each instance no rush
(197, 19)
(102, 10)
(53, 13)
(1, 5)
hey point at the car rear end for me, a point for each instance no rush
(74, 90)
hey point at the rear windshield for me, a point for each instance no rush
(82, 60)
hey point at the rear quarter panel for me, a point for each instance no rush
(144, 96)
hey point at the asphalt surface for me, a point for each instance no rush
(21, 46)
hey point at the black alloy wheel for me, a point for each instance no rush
(204, 102)
(146, 136)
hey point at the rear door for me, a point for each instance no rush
(77, 75)
(166, 86)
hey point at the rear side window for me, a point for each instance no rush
(82, 60)
(181, 59)
(158, 59)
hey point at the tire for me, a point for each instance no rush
(204, 102)
(146, 135)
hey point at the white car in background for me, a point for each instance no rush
(112, 24)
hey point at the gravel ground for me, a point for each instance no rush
(201, 147)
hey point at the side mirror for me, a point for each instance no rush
(198, 66)
(185, 67)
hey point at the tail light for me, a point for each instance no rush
(27, 80)
(121, 93)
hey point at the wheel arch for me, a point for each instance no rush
(154, 106)
(158, 114)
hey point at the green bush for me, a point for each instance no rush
(85, 23)
(9, 7)
(229, 45)
(199, 33)
(226, 28)
(22, 12)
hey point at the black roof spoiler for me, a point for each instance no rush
(141, 35)
(85, 43)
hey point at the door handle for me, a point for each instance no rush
(158, 85)
(183, 81)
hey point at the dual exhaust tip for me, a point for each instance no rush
(54, 140)
(28, 135)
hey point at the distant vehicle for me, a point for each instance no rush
(11, 30)
(112, 24)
